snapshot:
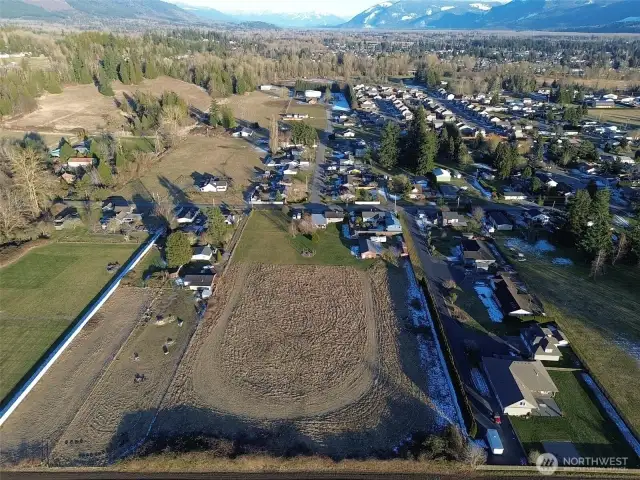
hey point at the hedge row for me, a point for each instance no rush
(467, 412)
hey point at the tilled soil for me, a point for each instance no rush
(309, 358)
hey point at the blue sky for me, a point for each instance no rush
(343, 8)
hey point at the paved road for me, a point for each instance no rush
(317, 181)
(438, 271)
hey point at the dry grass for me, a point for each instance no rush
(256, 107)
(82, 106)
(118, 412)
(329, 367)
(630, 116)
(222, 156)
(71, 379)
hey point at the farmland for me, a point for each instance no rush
(625, 116)
(42, 295)
(329, 369)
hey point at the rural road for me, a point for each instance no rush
(316, 182)
(107, 475)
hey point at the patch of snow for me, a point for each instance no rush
(480, 6)
(613, 415)
(479, 382)
(486, 297)
(475, 184)
(538, 249)
(631, 348)
(429, 11)
(408, 17)
(439, 386)
(444, 9)
(562, 261)
(371, 16)
(630, 19)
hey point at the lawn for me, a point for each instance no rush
(266, 239)
(583, 422)
(132, 144)
(601, 319)
(42, 293)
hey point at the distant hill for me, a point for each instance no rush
(153, 10)
(302, 19)
(210, 14)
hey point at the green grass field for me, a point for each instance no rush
(42, 293)
(143, 144)
(583, 422)
(598, 317)
(266, 239)
(317, 114)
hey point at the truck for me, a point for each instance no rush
(495, 444)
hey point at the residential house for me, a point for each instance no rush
(512, 299)
(499, 220)
(243, 132)
(79, 162)
(348, 133)
(116, 204)
(453, 219)
(522, 387)
(68, 177)
(212, 184)
(514, 196)
(543, 341)
(127, 217)
(68, 218)
(476, 253)
(333, 216)
(318, 220)
(203, 253)
(442, 174)
(370, 247)
(186, 215)
(535, 215)
(380, 223)
(202, 282)
(449, 192)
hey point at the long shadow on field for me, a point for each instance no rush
(186, 429)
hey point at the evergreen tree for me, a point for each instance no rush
(104, 170)
(104, 84)
(389, 143)
(217, 228)
(178, 250)
(214, 114)
(150, 69)
(578, 213)
(110, 64)
(228, 120)
(504, 159)
(123, 73)
(463, 157)
(421, 145)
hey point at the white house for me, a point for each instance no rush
(442, 174)
(349, 134)
(266, 88)
(213, 185)
(79, 162)
(203, 254)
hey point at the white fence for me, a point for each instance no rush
(21, 394)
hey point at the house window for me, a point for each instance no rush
(522, 403)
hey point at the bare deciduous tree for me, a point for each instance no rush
(478, 213)
(621, 249)
(162, 208)
(31, 178)
(274, 134)
(475, 456)
(597, 265)
(13, 212)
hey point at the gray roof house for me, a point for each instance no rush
(204, 253)
(318, 220)
(543, 342)
(499, 220)
(522, 387)
(476, 253)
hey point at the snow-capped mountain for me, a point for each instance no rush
(562, 15)
(302, 19)
(417, 13)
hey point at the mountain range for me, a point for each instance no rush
(560, 15)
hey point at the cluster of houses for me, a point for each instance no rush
(277, 182)
(73, 167)
(375, 232)
(368, 97)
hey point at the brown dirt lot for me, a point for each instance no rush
(329, 367)
(82, 106)
(70, 380)
(222, 156)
